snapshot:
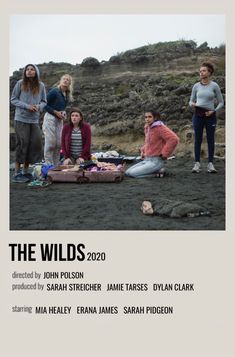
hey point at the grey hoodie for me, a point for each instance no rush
(22, 101)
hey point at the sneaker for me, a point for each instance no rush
(160, 173)
(210, 168)
(196, 167)
(28, 175)
(20, 178)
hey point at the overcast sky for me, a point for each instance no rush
(71, 38)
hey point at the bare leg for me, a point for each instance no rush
(17, 167)
(26, 165)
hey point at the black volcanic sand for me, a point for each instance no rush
(116, 206)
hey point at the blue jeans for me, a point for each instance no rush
(198, 125)
(146, 168)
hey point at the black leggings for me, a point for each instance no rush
(198, 125)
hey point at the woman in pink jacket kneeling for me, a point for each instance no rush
(76, 139)
(160, 142)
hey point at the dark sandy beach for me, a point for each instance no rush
(116, 206)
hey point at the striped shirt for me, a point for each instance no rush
(76, 143)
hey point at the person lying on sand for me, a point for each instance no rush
(173, 209)
(160, 142)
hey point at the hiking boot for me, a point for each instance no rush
(20, 178)
(196, 167)
(210, 168)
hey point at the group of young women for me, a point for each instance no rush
(74, 138)
(30, 99)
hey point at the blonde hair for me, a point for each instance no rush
(69, 91)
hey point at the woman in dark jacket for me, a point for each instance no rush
(57, 101)
(76, 139)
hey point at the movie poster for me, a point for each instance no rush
(123, 287)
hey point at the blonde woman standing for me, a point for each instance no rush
(57, 101)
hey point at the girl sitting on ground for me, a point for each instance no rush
(159, 144)
(76, 139)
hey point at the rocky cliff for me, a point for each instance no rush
(113, 94)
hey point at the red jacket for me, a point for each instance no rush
(159, 140)
(86, 140)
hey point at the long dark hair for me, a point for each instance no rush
(156, 114)
(30, 84)
(77, 110)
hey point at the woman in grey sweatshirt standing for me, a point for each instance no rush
(203, 97)
(29, 98)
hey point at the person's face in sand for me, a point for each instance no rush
(76, 119)
(147, 208)
(149, 118)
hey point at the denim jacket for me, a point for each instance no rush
(56, 101)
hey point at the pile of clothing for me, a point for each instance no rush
(94, 166)
(107, 154)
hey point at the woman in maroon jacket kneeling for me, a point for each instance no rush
(76, 139)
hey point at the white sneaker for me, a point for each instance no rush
(161, 172)
(210, 168)
(196, 167)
